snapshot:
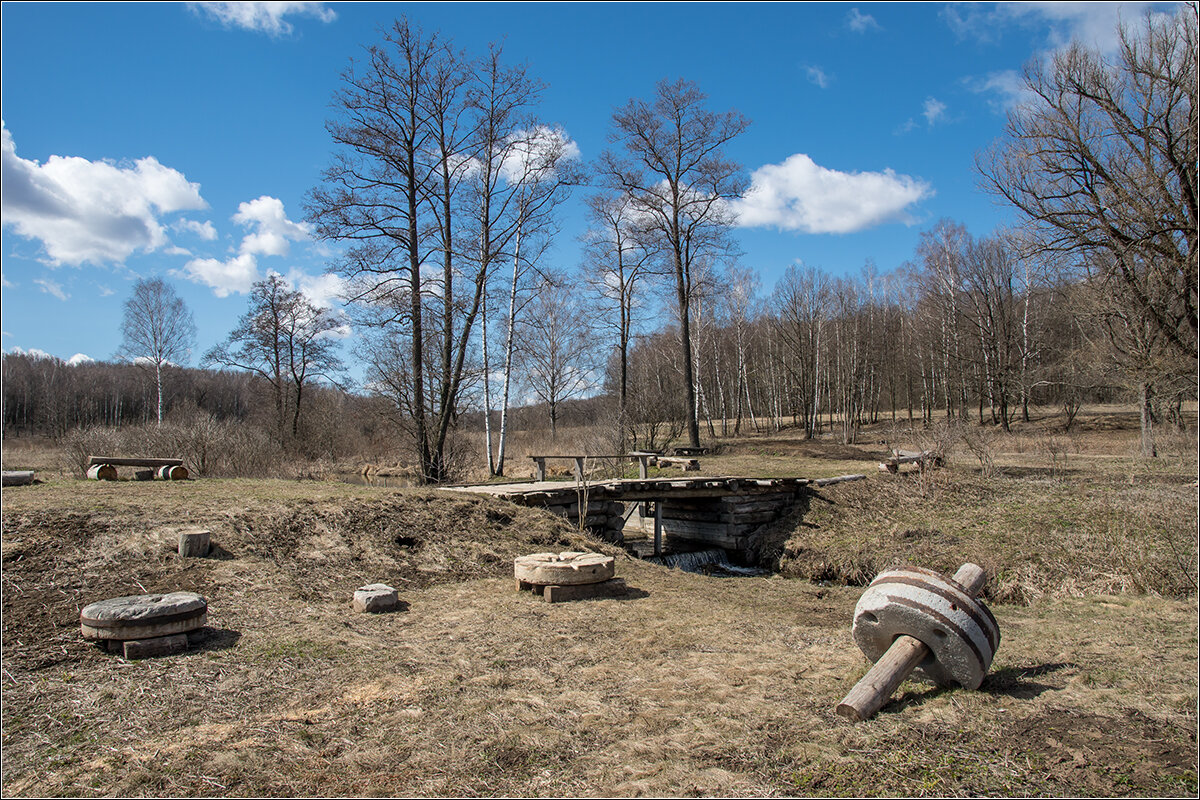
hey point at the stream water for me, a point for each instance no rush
(714, 562)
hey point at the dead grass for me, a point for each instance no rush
(690, 685)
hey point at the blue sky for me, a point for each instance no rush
(179, 140)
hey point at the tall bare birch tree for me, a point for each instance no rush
(158, 330)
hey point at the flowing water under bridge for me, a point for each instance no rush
(654, 517)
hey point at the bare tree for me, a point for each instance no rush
(158, 330)
(286, 340)
(555, 348)
(801, 301)
(1102, 162)
(616, 262)
(679, 181)
(429, 168)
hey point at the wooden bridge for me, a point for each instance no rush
(684, 513)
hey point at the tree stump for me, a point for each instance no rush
(194, 544)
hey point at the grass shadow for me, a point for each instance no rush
(212, 639)
(218, 553)
(1014, 681)
(633, 593)
(1040, 472)
(1009, 682)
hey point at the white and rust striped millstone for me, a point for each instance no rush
(563, 569)
(144, 616)
(918, 621)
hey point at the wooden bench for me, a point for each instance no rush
(923, 460)
(104, 467)
(690, 452)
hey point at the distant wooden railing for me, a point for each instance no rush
(642, 457)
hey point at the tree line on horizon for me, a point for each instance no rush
(443, 191)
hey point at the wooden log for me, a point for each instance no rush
(194, 544)
(870, 693)
(102, 472)
(20, 477)
(755, 518)
(839, 479)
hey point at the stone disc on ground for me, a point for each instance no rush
(564, 569)
(144, 616)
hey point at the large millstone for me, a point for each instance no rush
(563, 569)
(959, 630)
(144, 616)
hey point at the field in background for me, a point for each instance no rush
(691, 685)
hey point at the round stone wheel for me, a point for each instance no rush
(564, 569)
(144, 616)
(960, 631)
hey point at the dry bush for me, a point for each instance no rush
(980, 440)
(208, 447)
(80, 444)
(1056, 447)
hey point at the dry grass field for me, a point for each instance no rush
(689, 685)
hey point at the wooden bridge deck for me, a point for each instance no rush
(715, 512)
(633, 489)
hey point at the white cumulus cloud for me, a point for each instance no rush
(205, 230)
(80, 358)
(321, 290)
(273, 231)
(800, 195)
(534, 153)
(267, 17)
(92, 211)
(236, 274)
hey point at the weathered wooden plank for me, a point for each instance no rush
(135, 462)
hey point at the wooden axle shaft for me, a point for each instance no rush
(870, 693)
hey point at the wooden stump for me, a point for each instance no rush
(194, 544)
